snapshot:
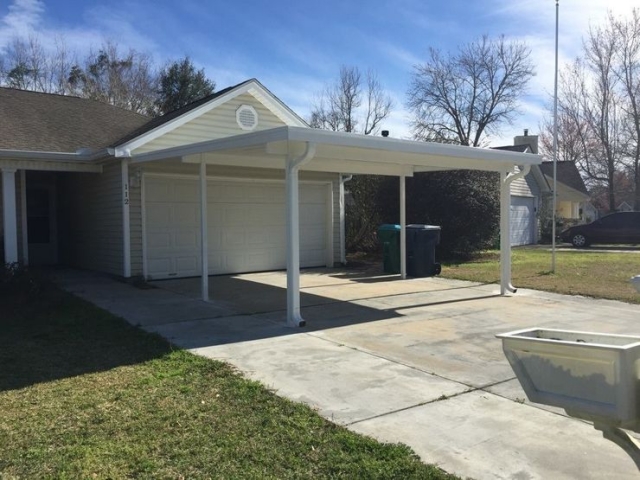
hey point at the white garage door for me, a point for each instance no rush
(522, 220)
(246, 223)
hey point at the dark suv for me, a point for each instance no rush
(621, 227)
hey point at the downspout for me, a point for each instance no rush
(506, 179)
(343, 234)
(292, 167)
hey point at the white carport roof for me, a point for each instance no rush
(340, 152)
(295, 148)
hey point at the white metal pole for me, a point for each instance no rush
(403, 227)
(204, 233)
(9, 216)
(555, 151)
(292, 166)
(505, 228)
(126, 223)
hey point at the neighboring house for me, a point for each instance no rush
(235, 182)
(533, 193)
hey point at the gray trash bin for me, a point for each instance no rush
(421, 250)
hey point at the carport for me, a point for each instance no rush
(293, 149)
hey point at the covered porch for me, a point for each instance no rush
(293, 149)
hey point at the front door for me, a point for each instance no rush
(41, 223)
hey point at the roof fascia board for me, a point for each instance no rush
(54, 156)
(410, 146)
(498, 161)
(276, 105)
(49, 165)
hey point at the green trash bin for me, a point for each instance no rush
(389, 237)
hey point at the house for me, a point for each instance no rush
(235, 182)
(624, 207)
(533, 194)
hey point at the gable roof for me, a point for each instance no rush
(44, 122)
(172, 120)
(567, 173)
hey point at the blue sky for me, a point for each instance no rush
(296, 48)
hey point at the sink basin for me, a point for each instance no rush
(593, 376)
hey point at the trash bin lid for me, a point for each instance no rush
(420, 226)
(387, 227)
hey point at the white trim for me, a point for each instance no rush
(364, 150)
(23, 217)
(126, 220)
(204, 233)
(252, 87)
(188, 176)
(9, 215)
(143, 215)
(49, 165)
(329, 226)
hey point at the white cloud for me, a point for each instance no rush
(23, 18)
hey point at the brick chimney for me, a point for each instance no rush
(526, 139)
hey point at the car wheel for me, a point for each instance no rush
(579, 241)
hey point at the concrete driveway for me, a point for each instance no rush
(412, 361)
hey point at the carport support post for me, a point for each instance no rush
(506, 179)
(294, 318)
(403, 227)
(9, 215)
(204, 233)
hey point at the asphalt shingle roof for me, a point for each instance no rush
(513, 148)
(567, 173)
(44, 122)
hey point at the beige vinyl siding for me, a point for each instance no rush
(222, 172)
(217, 123)
(91, 225)
(525, 187)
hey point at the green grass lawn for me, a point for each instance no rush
(85, 395)
(578, 272)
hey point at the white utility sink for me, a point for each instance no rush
(593, 376)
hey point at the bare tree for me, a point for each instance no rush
(459, 97)
(28, 65)
(359, 105)
(124, 80)
(344, 107)
(627, 70)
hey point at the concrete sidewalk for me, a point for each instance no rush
(411, 361)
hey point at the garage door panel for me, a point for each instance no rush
(158, 191)
(246, 226)
(187, 239)
(185, 215)
(522, 220)
(184, 192)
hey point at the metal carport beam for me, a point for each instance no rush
(292, 167)
(506, 179)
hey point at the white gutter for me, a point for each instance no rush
(506, 179)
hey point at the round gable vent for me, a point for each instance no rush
(247, 117)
